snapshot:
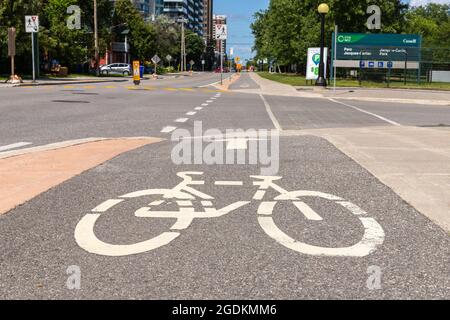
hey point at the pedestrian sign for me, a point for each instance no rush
(390, 64)
(31, 24)
(312, 72)
(221, 32)
(156, 59)
(362, 64)
(380, 64)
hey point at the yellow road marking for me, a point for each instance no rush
(186, 89)
(109, 87)
(68, 87)
(170, 89)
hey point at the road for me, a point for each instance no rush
(344, 235)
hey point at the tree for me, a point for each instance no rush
(195, 46)
(288, 27)
(142, 35)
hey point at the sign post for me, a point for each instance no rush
(192, 62)
(12, 48)
(169, 59)
(136, 73)
(32, 26)
(221, 34)
(156, 60)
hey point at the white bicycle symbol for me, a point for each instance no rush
(183, 194)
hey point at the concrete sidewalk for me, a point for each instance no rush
(410, 96)
(268, 87)
(412, 161)
(432, 97)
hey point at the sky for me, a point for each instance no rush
(240, 16)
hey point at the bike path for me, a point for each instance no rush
(229, 257)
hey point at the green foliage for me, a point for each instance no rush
(195, 46)
(74, 47)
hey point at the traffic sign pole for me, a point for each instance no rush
(32, 56)
(221, 62)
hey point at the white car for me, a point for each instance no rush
(116, 68)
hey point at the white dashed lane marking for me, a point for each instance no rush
(168, 129)
(181, 120)
(191, 113)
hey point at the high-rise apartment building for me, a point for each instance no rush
(208, 20)
(191, 10)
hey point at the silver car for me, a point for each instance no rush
(116, 68)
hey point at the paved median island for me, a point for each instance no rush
(28, 174)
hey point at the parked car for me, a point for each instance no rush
(225, 70)
(116, 68)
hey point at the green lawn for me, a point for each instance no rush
(295, 80)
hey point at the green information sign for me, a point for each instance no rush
(378, 47)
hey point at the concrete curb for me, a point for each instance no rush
(64, 144)
(57, 83)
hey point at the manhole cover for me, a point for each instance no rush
(70, 101)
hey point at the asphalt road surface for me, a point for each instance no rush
(342, 235)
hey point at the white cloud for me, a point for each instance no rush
(415, 3)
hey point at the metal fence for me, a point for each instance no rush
(421, 65)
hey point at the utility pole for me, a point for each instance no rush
(183, 45)
(97, 58)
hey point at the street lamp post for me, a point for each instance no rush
(323, 10)
(96, 54)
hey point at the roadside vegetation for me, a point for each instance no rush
(300, 81)
(74, 48)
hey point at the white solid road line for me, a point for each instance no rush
(366, 112)
(181, 120)
(14, 146)
(168, 129)
(191, 113)
(237, 144)
(271, 115)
